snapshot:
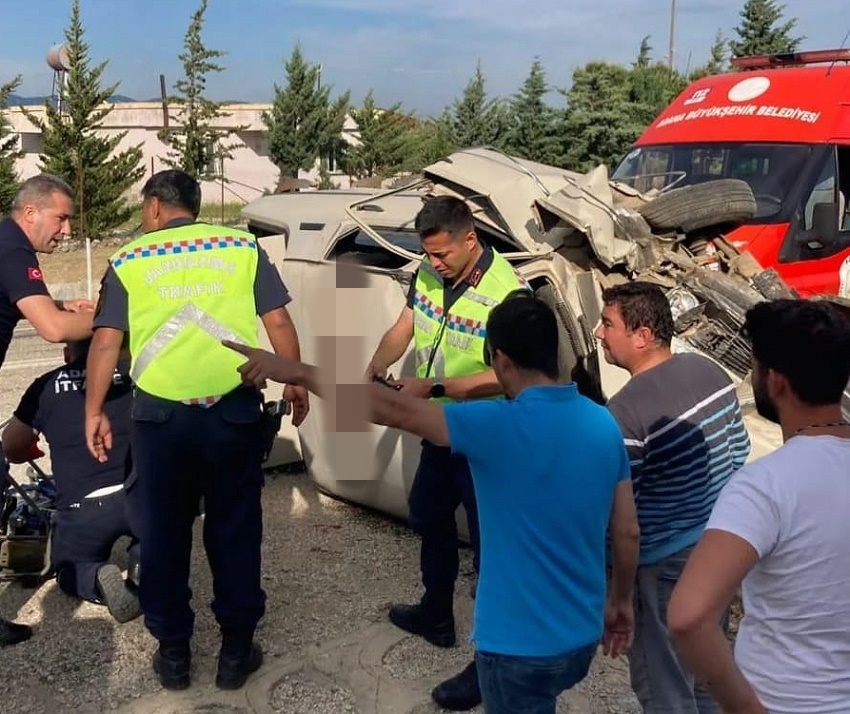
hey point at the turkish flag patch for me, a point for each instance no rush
(35, 274)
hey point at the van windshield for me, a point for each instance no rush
(771, 170)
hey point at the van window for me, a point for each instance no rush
(771, 170)
(833, 184)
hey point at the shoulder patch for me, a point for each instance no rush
(35, 274)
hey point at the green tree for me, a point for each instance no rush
(383, 135)
(77, 149)
(762, 31)
(303, 123)
(653, 85)
(717, 59)
(9, 152)
(197, 146)
(599, 121)
(533, 130)
(475, 120)
(428, 141)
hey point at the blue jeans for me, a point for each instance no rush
(660, 680)
(529, 685)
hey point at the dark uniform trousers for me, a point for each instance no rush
(442, 482)
(83, 537)
(180, 454)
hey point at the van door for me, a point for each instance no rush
(817, 248)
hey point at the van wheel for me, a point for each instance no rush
(690, 208)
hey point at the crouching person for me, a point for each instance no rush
(92, 511)
(551, 475)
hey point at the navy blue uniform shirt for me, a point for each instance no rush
(54, 404)
(20, 277)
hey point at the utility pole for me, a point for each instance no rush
(672, 32)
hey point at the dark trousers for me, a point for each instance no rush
(180, 454)
(442, 482)
(529, 684)
(83, 539)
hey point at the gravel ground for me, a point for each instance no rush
(330, 569)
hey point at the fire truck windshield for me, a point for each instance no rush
(771, 170)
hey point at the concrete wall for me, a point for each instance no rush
(249, 173)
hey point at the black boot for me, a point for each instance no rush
(238, 657)
(432, 619)
(172, 662)
(461, 692)
(11, 633)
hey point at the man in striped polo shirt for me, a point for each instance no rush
(684, 432)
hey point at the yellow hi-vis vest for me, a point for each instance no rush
(188, 288)
(452, 344)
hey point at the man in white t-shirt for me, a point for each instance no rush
(782, 527)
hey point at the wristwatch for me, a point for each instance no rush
(438, 389)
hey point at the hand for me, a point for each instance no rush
(78, 305)
(375, 370)
(263, 365)
(299, 397)
(414, 386)
(98, 436)
(619, 628)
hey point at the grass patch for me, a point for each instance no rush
(231, 213)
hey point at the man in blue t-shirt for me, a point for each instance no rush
(551, 477)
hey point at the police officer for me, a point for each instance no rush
(457, 284)
(91, 503)
(196, 430)
(38, 220)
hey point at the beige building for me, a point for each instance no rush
(250, 172)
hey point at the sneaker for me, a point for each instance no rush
(413, 619)
(235, 662)
(11, 633)
(461, 692)
(123, 603)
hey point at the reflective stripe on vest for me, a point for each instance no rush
(188, 288)
(454, 342)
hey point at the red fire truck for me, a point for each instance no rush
(782, 124)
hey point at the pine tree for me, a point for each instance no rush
(653, 85)
(533, 132)
(303, 123)
(717, 60)
(474, 119)
(760, 31)
(197, 147)
(76, 149)
(9, 152)
(383, 135)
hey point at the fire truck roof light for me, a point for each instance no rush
(788, 59)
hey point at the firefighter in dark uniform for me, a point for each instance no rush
(38, 220)
(196, 430)
(91, 505)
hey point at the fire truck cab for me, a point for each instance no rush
(782, 124)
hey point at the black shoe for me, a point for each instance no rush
(172, 663)
(11, 633)
(461, 692)
(414, 619)
(235, 662)
(122, 602)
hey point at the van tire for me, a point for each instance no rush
(690, 208)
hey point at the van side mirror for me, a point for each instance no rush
(824, 224)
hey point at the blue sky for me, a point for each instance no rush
(421, 53)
